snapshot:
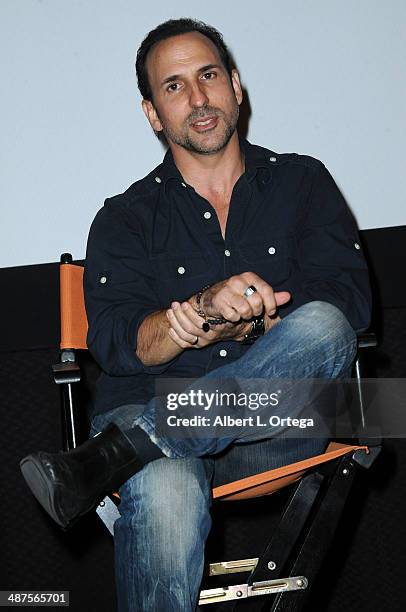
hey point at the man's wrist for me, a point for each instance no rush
(197, 304)
(242, 329)
(256, 331)
(198, 301)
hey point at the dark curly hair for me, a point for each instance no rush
(174, 27)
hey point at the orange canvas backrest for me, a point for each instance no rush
(73, 314)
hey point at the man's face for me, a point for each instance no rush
(194, 102)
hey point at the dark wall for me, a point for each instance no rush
(368, 559)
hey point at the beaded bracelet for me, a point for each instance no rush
(201, 313)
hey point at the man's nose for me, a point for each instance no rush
(198, 96)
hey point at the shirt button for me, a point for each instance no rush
(272, 250)
(357, 246)
(207, 215)
(183, 184)
(181, 270)
(158, 179)
(272, 159)
(103, 280)
(227, 253)
(223, 353)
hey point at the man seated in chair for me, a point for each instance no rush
(228, 261)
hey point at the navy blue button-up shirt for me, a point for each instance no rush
(161, 241)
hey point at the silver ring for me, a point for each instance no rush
(250, 291)
(195, 341)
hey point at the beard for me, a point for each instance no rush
(191, 142)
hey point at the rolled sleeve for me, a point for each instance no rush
(119, 294)
(332, 265)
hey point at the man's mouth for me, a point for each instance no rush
(204, 124)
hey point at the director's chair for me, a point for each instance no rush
(288, 565)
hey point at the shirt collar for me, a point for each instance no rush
(168, 169)
(255, 158)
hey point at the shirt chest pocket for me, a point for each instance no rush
(273, 259)
(177, 277)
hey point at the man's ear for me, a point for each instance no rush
(151, 115)
(235, 81)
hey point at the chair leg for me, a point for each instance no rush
(67, 375)
(272, 562)
(319, 536)
(265, 578)
(108, 513)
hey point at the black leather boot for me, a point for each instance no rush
(69, 484)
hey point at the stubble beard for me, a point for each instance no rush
(193, 143)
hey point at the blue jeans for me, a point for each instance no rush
(165, 508)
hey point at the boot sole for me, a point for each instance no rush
(43, 489)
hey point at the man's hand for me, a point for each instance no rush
(186, 327)
(226, 298)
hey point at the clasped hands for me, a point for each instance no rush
(224, 299)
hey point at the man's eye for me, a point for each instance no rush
(172, 87)
(210, 75)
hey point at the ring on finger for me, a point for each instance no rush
(250, 291)
(195, 341)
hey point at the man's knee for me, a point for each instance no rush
(169, 500)
(315, 340)
(319, 321)
(323, 329)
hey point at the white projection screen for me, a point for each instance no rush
(324, 78)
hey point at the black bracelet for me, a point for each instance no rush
(201, 313)
(199, 295)
(216, 321)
